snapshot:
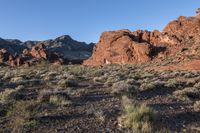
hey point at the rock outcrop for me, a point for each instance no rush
(180, 39)
(12, 60)
(120, 47)
(39, 52)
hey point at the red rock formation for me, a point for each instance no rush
(126, 47)
(15, 60)
(184, 29)
(39, 51)
(119, 47)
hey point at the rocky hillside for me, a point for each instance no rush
(65, 45)
(13, 46)
(178, 42)
(62, 49)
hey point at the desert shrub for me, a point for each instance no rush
(148, 86)
(8, 95)
(96, 72)
(176, 73)
(50, 76)
(189, 75)
(39, 72)
(21, 115)
(191, 82)
(113, 78)
(64, 83)
(44, 95)
(100, 116)
(152, 85)
(17, 79)
(173, 83)
(8, 75)
(197, 85)
(77, 70)
(28, 82)
(123, 88)
(54, 97)
(60, 100)
(131, 81)
(137, 117)
(197, 106)
(101, 79)
(5, 95)
(19, 87)
(187, 94)
(64, 75)
(147, 75)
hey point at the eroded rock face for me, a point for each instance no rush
(29, 57)
(126, 47)
(15, 60)
(185, 29)
(120, 47)
(39, 51)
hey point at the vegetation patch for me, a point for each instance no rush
(137, 117)
(20, 115)
(187, 94)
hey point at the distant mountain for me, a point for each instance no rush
(68, 47)
(64, 45)
(29, 44)
(11, 45)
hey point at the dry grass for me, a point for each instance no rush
(20, 114)
(123, 88)
(137, 117)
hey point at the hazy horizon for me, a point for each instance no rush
(85, 20)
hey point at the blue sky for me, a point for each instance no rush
(85, 20)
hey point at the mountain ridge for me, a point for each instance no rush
(64, 46)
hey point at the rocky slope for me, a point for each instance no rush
(65, 45)
(11, 45)
(60, 50)
(180, 40)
